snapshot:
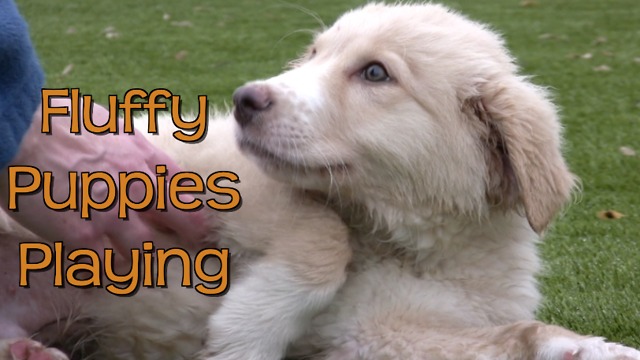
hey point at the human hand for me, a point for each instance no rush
(61, 152)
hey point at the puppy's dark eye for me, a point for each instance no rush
(375, 72)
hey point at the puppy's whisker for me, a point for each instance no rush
(333, 184)
(298, 155)
(314, 15)
(285, 36)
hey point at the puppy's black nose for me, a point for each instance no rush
(249, 101)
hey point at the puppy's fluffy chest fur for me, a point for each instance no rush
(424, 270)
(440, 246)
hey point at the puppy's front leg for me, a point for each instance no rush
(526, 340)
(264, 312)
(274, 299)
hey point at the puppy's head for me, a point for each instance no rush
(414, 106)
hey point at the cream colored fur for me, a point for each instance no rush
(446, 174)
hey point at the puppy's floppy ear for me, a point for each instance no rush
(521, 130)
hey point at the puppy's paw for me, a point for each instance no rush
(586, 349)
(27, 349)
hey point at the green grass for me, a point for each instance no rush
(592, 278)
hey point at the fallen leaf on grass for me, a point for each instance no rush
(166, 17)
(602, 68)
(610, 215)
(185, 23)
(110, 32)
(625, 150)
(181, 55)
(549, 36)
(636, 60)
(67, 69)
(71, 30)
(529, 3)
(586, 56)
(600, 40)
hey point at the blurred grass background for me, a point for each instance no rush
(588, 51)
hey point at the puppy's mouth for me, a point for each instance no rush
(285, 163)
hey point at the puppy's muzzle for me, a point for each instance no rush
(250, 101)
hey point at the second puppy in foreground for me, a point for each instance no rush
(445, 162)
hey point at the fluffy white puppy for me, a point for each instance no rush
(446, 164)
